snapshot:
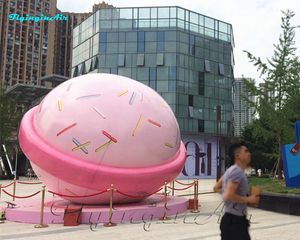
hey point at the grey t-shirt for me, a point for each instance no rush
(236, 175)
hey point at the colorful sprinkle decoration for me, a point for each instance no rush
(154, 123)
(59, 105)
(122, 93)
(80, 146)
(137, 125)
(66, 129)
(109, 136)
(100, 113)
(69, 87)
(132, 98)
(168, 145)
(88, 96)
(103, 146)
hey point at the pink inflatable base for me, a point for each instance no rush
(152, 208)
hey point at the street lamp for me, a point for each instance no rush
(218, 142)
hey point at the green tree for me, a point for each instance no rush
(10, 116)
(261, 147)
(275, 99)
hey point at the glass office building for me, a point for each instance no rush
(185, 56)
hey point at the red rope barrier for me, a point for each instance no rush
(29, 196)
(29, 182)
(72, 196)
(180, 189)
(141, 196)
(186, 184)
(7, 185)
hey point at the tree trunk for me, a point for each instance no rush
(280, 164)
(2, 173)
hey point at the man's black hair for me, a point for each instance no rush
(234, 148)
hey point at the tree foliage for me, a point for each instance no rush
(10, 115)
(277, 101)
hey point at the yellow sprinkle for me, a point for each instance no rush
(81, 146)
(169, 145)
(59, 105)
(103, 146)
(137, 125)
(122, 93)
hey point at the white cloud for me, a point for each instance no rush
(256, 23)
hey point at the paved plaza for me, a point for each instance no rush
(191, 226)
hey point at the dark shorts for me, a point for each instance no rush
(234, 227)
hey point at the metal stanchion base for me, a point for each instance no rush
(2, 221)
(109, 224)
(164, 218)
(41, 226)
(195, 211)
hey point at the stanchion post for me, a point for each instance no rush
(2, 217)
(173, 184)
(14, 189)
(195, 210)
(165, 217)
(2, 213)
(110, 223)
(197, 182)
(42, 225)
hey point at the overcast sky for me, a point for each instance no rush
(256, 23)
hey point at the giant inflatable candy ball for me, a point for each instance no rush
(97, 130)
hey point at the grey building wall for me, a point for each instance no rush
(185, 56)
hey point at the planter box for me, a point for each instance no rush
(282, 203)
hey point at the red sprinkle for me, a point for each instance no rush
(66, 129)
(154, 123)
(109, 136)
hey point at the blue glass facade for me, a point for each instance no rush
(185, 56)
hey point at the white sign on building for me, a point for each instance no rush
(201, 157)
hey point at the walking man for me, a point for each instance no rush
(234, 189)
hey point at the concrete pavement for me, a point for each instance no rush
(190, 226)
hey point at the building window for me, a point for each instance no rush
(82, 70)
(192, 45)
(200, 125)
(191, 100)
(160, 36)
(141, 42)
(114, 71)
(75, 74)
(207, 66)
(103, 36)
(201, 83)
(172, 85)
(102, 44)
(160, 59)
(152, 77)
(121, 60)
(160, 39)
(102, 48)
(96, 63)
(191, 111)
(172, 73)
(140, 59)
(91, 66)
(221, 69)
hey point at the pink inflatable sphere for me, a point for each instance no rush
(96, 130)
